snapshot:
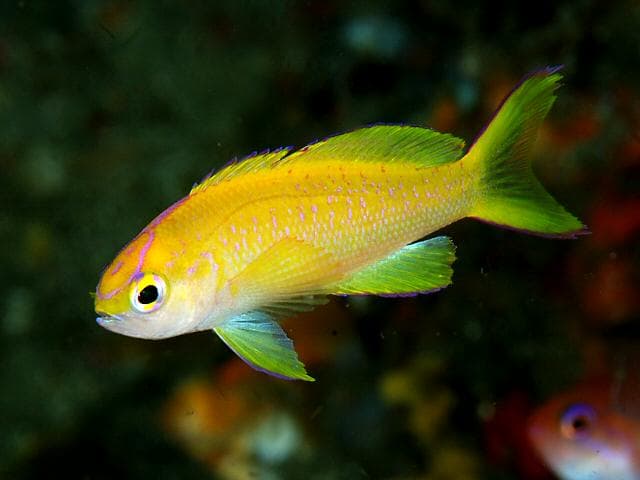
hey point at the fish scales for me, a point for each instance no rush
(348, 212)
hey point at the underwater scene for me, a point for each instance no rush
(320, 240)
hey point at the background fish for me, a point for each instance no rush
(591, 431)
(274, 234)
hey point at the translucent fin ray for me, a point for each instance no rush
(287, 307)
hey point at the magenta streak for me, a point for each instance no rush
(117, 267)
(570, 235)
(137, 271)
(149, 230)
(166, 213)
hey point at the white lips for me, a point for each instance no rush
(106, 320)
(102, 321)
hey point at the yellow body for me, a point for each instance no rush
(358, 212)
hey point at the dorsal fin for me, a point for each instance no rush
(388, 143)
(256, 161)
(379, 143)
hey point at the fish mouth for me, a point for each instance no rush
(106, 319)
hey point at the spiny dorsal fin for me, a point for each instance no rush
(385, 143)
(258, 161)
(380, 143)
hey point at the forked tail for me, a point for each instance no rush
(509, 194)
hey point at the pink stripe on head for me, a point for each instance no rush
(143, 254)
(118, 266)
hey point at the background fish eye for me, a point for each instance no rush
(148, 293)
(576, 421)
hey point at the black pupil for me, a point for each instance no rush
(580, 423)
(148, 294)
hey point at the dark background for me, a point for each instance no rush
(111, 110)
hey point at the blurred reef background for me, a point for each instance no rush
(111, 110)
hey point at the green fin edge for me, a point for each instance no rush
(385, 143)
(379, 143)
(421, 267)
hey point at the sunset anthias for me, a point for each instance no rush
(276, 233)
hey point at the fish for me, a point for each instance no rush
(278, 232)
(590, 432)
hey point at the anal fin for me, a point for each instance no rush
(421, 267)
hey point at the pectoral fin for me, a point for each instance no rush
(417, 268)
(258, 340)
(290, 277)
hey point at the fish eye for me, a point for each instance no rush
(577, 421)
(147, 293)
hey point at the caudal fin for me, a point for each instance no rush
(509, 193)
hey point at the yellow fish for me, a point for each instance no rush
(277, 232)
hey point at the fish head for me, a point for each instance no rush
(142, 292)
(581, 436)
